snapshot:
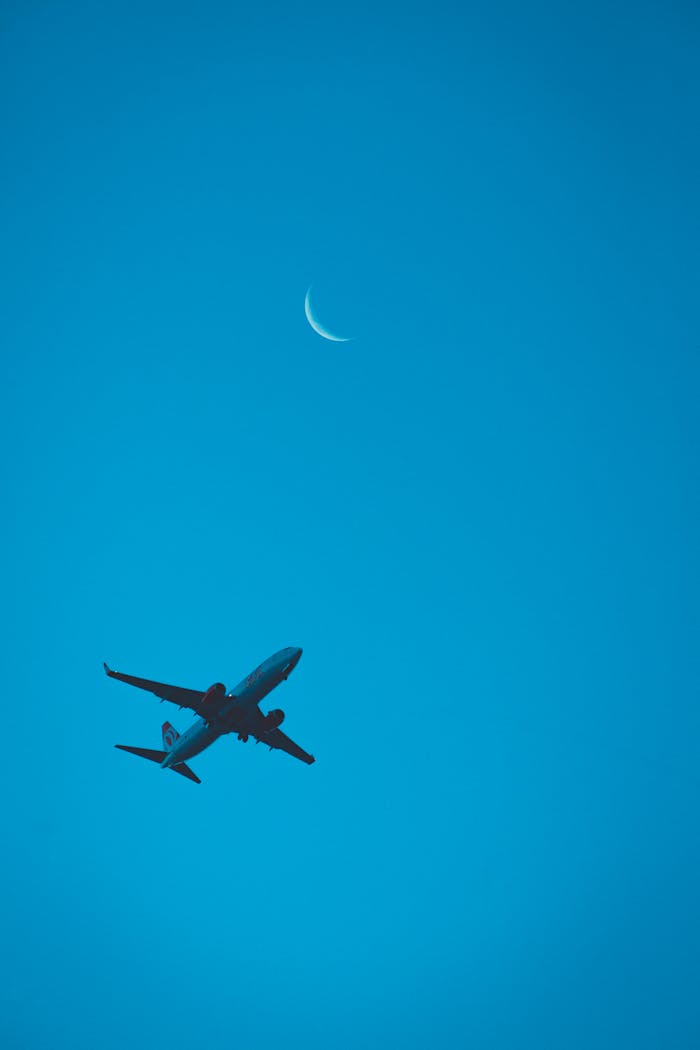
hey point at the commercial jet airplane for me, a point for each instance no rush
(219, 713)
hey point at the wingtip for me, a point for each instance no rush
(108, 670)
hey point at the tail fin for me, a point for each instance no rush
(170, 735)
(158, 756)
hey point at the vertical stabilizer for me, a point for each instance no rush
(170, 735)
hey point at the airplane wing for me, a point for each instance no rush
(174, 693)
(277, 739)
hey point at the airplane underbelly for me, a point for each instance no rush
(255, 688)
(189, 748)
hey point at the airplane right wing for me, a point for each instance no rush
(174, 693)
(277, 739)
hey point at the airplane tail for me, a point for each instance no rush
(170, 735)
(158, 756)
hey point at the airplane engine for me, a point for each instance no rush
(212, 700)
(273, 720)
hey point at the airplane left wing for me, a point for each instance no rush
(279, 740)
(174, 693)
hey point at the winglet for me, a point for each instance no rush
(108, 670)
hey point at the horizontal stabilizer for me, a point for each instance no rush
(186, 772)
(144, 752)
(158, 756)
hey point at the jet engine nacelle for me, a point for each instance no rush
(273, 720)
(212, 701)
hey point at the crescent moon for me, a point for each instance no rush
(317, 326)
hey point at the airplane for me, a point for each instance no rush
(219, 713)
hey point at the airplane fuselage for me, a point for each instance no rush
(239, 712)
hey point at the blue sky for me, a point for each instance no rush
(479, 519)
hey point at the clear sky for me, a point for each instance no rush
(479, 518)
